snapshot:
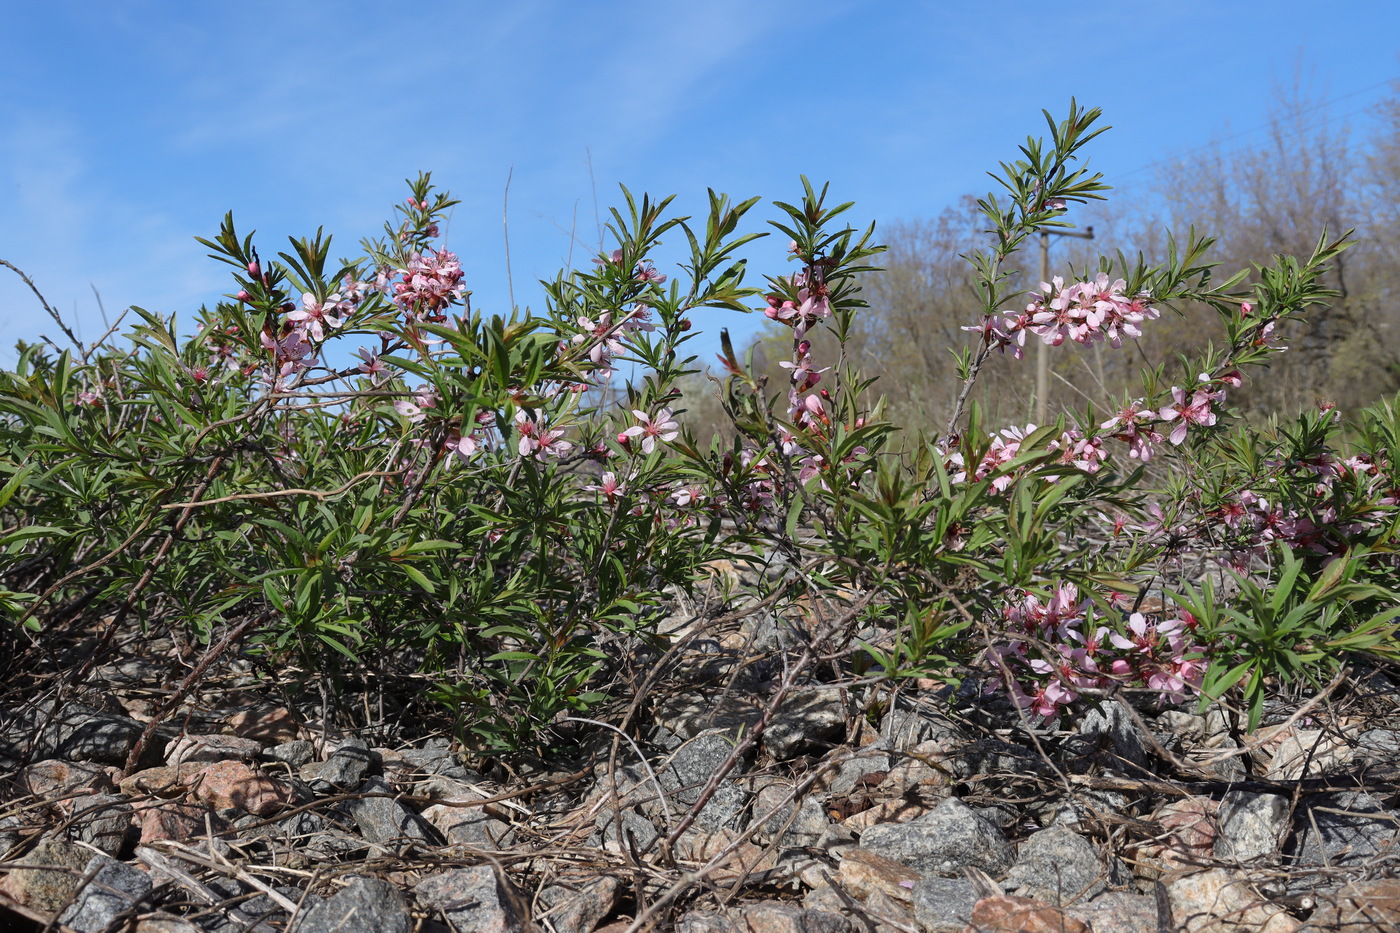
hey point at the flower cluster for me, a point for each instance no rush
(1077, 450)
(604, 338)
(1057, 649)
(431, 281)
(1085, 312)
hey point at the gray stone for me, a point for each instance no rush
(1250, 825)
(1085, 806)
(11, 831)
(295, 753)
(728, 808)
(74, 733)
(1119, 912)
(54, 778)
(1110, 724)
(1002, 816)
(469, 826)
(943, 841)
(902, 729)
(764, 917)
(212, 748)
(804, 722)
(579, 910)
(994, 756)
(334, 845)
(437, 758)
(345, 768)
(102, 820)
(687, 715)
(635, 830)
(384, 819)
(298, 826)
(805, 820)
(688, 770)
(943, 905)
(364, 904)
(1058, 866)
(852, 768)
(1341, 830)
(471, 899)
(46, 876)
(263, 906)
(1378, 746)
(706, 921)
(114, 888)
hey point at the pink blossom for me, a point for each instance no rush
(609, 486)
(431, 281)
(464, 446)
(1197, 411)
(688, 496)
(651, 429)
(372, 365)
(314, 315)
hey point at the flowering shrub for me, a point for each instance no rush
(391, 483)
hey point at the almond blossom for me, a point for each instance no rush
(1087, 312)
(372, 366)
(416, 410)
(1184, 413)
(609, 485)
(314, 315)
(431, 281)
(652, 429)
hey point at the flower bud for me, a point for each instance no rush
(243, 296)
(254, 269)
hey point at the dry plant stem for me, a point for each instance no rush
(1197, 767)
(86, 880)
(646, 917)
(661, 791)
(188, 684)
(103, 339)
(751, 738)
(47, 307)
(318, 493)
(162, 864)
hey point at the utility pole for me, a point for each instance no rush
(1042, 352)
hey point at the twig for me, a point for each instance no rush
(43, 301)
(318, 493)
(660, 791)
(188, 684)
(505, 224)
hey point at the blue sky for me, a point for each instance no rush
(128, 129)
